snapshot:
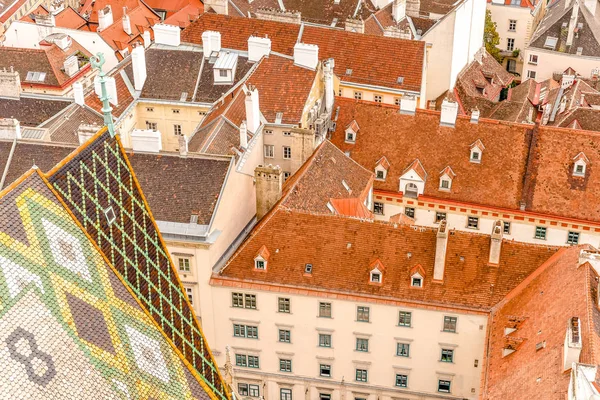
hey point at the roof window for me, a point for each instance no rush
(261, 259)
(580, 164)
(550, 42)
(35, 76)
(476, 151)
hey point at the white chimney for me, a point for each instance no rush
(146, 140)
(63, 41)
(306, 55)
(45, 20)
(573, 23)
(85, 132)
(329, 92)
(572, 346)
(449, 113)
(147, 39)
(399, 10)
(496, 243)
(169, 35)
(591, 6)
(475, 116)
(183, 145)
(105, 18)
(126, 22)
(78, 93)
(138, 63)
(252, 109)
(243, 135)
(111, 89)
(563, 104)
(441, 244)
(71, 65)
(211, 42)
(408, 105)
(10, 83)
(10, 128)
(257, 47)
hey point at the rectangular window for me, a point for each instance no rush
(447, 355)
(325, 370)
(473, 223)
(250, 301)
(540, 232)
(284, 305)
(285, 365)
(511, 66)
(403, 350)
(254, 391)
(573, 238)
(177, 129)
(237, 300)
(512, 25)
(284, 336)
(378, 208)
(377, 98)
(268, 131)
(439, 216)
(506, 228)
(253, 362)
(405, 318)
(269, 151)
(190, 295)
(531, 74)
(223, 73)
(184, 264)
(361, 375)
(286, 133)
(287, 152)
(175, 111)
(151, 125)
(533, 59)
(149, 109)
(409, 211)
(397, 101)
(241, 360)
(324, 340)
(246, 331)
(243, 389)
(286, 175)
(401, 380)
(358, 95)
(324, 310)
(362, 314)
(380, 175)
(324, 396)
(450, 324)
(443, 386)
(362, 344)
(285, 394)
(510, 44)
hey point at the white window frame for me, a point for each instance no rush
(376, 273)
(414, 276)
(269, 151)
(533, 59)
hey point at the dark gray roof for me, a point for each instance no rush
(31, 110)
(63, 127)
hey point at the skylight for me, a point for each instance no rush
(550, 42)
(35, 76)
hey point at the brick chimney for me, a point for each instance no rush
(306, 55)
(10, 128)
(126, 22)
(449, 113)
(78, 93)
(211, 42)
(138, 63)
(441, 244)
(269, 181)
(257, 48)
(399, 10)
(105, 18)
(10, 83)
(328, 77)
(252, 109)
(496, 243)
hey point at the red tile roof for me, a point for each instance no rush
(377, 64)
(184, 17)
(67, 18)
(141, 19)
(124, 96)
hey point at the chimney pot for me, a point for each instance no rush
(147, 39)
(408, 105)
(105, 18)
(211, 42)
(138, 63)
(78, 93)
(399, 10)
(252, 109)
(329, 91)
(126, 22)
(243, 135)
(441, 245)
(475, 116)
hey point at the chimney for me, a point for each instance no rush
(183, 145)
(408, 105)
(496, 243)
(257, 48)
(211, 42)
(354, 25)
(413, 8)
(243, 135)
(147, 39)
(573, 23)
(441, 244)
(45, 20)
(63, 41)
(71, 65)
(449, 113)
(85, 132)
(399, 10)
(169, 35)
(10, 128)
(105, 18)
(566, 81)
(78, 93)
(252, 109)
(219, 6)
(475, 116)
(563, 104)
(591, 6)
(138, 63)
(306, 55)
(268, 180)
(10, 83)
(146, 140)
(126, 22)
(572, 346)
(328, 77)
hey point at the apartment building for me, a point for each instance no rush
(565, 38)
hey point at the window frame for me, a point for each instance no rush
(358, 95)
(325, 340)
(285, 394)
(453, 321)
(362, 311)
(472, 222)
(177, 129)
(325, 367)
(403, 346)
(541, 233)
(288, 150)
(186, 267)
(510, 44)
(531, 74)
(269, 151)
(512, 25)
(405, 380)
(447, 355)
(449, 384)
(285, 365)
(364, 348)
(190, 294)
(576, 235)
(361, 375)
(285, 334)
(378, 208)
(324, 306)
(437, 217)
(377, 98)
(506, 227)
(402, 315)
(284, 305)
(409, 212)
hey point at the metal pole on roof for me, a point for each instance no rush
(97, 62)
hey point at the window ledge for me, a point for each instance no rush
(446, 362)
(444, 190)
(443, 331)
(243, 308)
(396, 355)
(404, 326)
(475, 161)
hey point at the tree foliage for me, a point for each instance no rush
(491, 38)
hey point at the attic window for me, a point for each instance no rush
(349, 71)
(416, 280)
(580, 165)
(400, 80)
(550, 42)
(308, 269)
(109, 213)
(350, 137)
(446, 177)
(35, 76)
(380, 174)
(476, 151)
(260, 264)
(376, 276)
(445, 184)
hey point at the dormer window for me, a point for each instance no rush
(580, 164)
(261, 259)
(416, 280)
(379, 174)
(376, 274)
(351, 132)
(225, 67)
(477, 151)
(381, 169)
(446, 177)
(412, 181)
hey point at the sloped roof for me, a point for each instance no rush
(124, 94)
(67, 18)
(63, 127)
(32, 110)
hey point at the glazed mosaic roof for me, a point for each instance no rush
(90, 304)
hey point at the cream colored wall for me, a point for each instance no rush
(189, 117)
(440, 56)
(126, 125)
(25, 9)
(521, 231)
(501, 15)
(296, 141)
(550, 62)
(369, 95)
(423, 367)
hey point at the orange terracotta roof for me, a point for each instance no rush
(141, 19)
(172, 7)
(6, 14)
(186, 15)
(402, 218)
(263, 252)
(67, 18)
(124, 96)
(351, 208)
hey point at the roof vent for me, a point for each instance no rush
(349, 71)
(400, 80)
(308, 269)
(194, 219)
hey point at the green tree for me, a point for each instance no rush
(491, 37)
